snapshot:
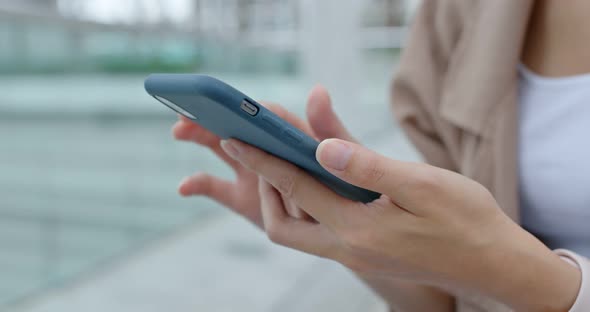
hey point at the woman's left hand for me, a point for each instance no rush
(430, 225)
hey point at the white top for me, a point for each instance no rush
(554, 159)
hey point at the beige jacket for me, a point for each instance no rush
(455, 95)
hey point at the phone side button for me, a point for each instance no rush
(292, 136)
(272, 122)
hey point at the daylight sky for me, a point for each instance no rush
(117, 11)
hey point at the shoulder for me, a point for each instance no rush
(444, 84)
(444, 21)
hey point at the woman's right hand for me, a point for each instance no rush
(242, 195)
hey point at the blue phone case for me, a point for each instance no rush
(229, 113)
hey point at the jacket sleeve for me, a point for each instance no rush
(416, 93)
(417, 85)
(582, 302)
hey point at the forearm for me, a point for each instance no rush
(527, 276)
(404, 296)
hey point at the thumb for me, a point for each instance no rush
(365, 168)
(321, 116)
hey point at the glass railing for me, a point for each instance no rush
(88, 167)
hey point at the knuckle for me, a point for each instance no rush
(203, 177)
(360, 245)
(206, 139)
(206, 181)
(253, 163)
(286, 185)
(371, 171)
(274, 233)
(425, 179)
(375, 172)
(357, 240)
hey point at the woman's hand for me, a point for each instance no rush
(241, 195)
(430, 225)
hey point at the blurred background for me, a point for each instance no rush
(89, 215)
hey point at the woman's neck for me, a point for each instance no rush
(557, 41)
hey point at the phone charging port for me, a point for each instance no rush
(249, 108)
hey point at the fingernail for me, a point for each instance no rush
(335, 155)
(229, 148)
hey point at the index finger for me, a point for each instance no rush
(313, 197)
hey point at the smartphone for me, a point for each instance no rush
(229, 113)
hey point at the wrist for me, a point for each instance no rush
(526, 275)
(406, 295)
